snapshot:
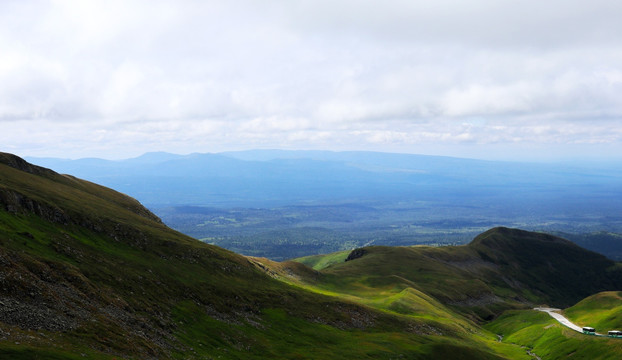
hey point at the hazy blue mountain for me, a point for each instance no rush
(269, 177)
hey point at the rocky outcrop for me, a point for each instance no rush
(356, 253)
(44, 295)
(17, 203)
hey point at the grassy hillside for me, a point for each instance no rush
(601, 311)
(557, 271)
(319, 262)
(500, 269)
(87, 272)
(548, 339)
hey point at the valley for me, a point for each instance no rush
(294, 231)
(288, 204)
(88, 272)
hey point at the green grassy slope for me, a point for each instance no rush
(88, 272)
(319, 262)
(548, 339)
(500, 269)
(602, 311)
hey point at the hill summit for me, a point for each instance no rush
(500, 237)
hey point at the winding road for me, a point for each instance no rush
(561, 318)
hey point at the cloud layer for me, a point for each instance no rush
(118, 78)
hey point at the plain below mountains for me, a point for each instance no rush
(287, 204)
(87, 272)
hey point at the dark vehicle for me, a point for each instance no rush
(589, 330)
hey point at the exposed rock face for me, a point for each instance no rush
(34, 295)
(17, 203)
(45, 295)
(356, 253)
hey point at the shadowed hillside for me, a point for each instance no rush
(556, 270)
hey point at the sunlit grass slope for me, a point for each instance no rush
(601, 311)
(548, 339)
(86, 272)
(319, 262)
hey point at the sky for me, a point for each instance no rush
(491, 79)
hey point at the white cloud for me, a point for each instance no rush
(135, 76)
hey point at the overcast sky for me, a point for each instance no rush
(488, 79)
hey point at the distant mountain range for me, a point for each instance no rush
(274, 178)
